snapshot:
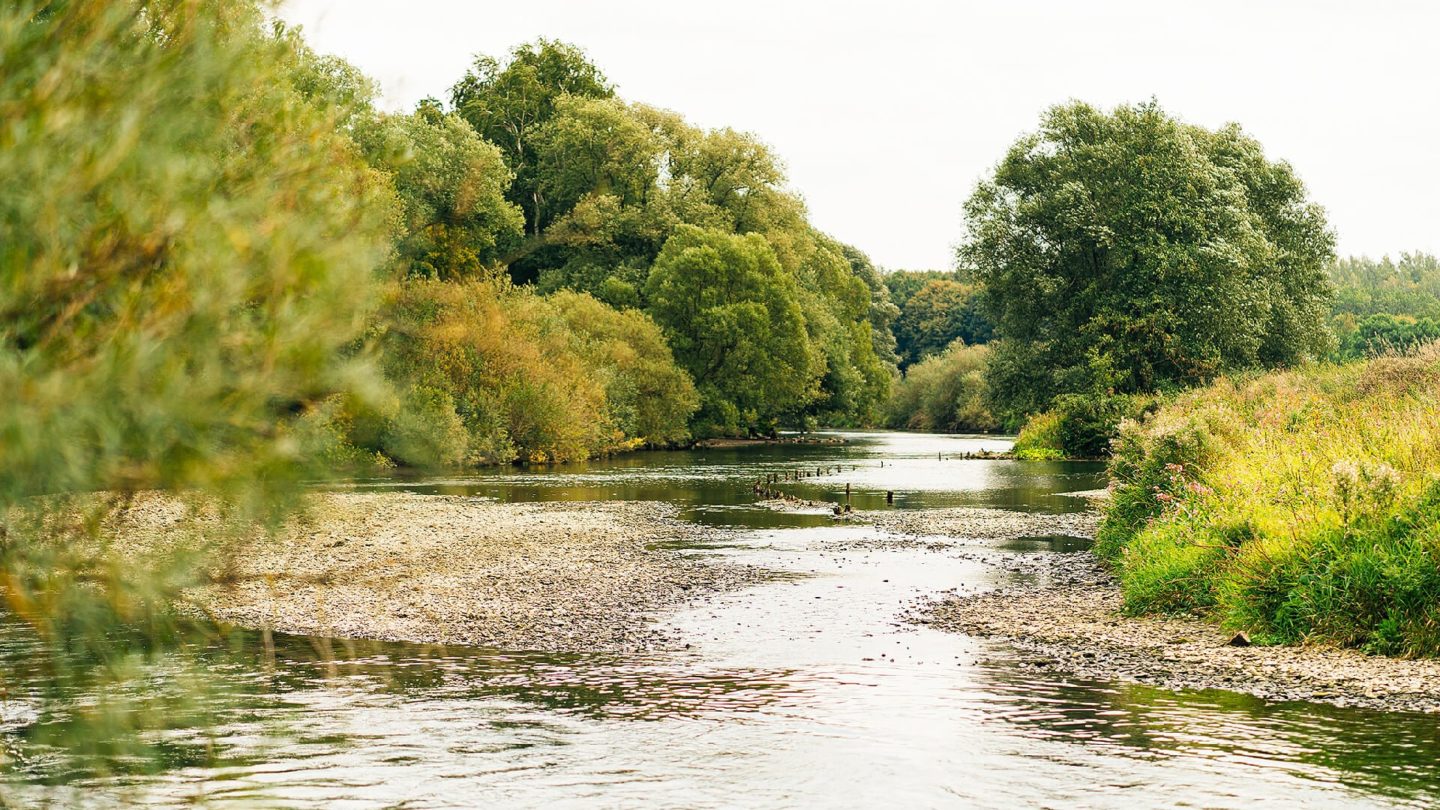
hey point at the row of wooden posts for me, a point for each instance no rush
(763, 487)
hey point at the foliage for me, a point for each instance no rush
(606, 183)
(509, 104)
(1386, 334)
(1131, 252)
(1410, 286)
(937, 314)
(945, 393)
(649, 399)
(452, 186)
(1298, 505)
(732, 316)
(1078, 426)
(903, 284)
(189, 250)
(1039, 438)
(494, 374)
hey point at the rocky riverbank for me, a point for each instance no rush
(1063, 614)
(583, 576)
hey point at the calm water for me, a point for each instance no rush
(803, 691)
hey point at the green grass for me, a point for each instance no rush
(1302, 506)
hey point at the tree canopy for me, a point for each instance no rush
(1128, 251)
(939, 312)
(732, 316)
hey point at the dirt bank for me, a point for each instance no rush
(545, 576)
(1063, 615)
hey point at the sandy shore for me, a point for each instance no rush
(542, 576)
(1065, 616)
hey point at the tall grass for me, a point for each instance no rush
(1303, 506)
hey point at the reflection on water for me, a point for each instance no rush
(923, 471)
(1387, 753)
(801, 691)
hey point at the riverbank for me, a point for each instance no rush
(564, 576)
(1063, 615)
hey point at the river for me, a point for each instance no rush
(806, 690)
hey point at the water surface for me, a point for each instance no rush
(802, 691)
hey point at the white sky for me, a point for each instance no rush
(887, 113)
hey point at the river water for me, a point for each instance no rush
(802, 691)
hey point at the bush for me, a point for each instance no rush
(1078, 426)
(494, 374)
(1039, 439)
(945, 393)
(1301, 506)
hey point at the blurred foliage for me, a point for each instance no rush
(189, 254)
(945, 393)
(1130, 252)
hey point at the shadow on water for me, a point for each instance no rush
(1391, 754)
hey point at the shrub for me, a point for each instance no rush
(1039, 439)
(1078, 426)
(494, 374)
(946, 393)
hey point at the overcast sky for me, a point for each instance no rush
(887, 113)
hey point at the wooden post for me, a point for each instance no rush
(847, 495)
(889, 496)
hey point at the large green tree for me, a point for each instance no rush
(1128, 251)
(732, 316)
(509, 104)
(451, 183)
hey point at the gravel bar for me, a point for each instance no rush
(1065, 616)
(571, 576)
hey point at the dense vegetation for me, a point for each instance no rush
(225, 272)
(1127, 252)
(1299, 505)
(945, 393)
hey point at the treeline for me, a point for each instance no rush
(939, 331)
(587, 218)
(1385, 306)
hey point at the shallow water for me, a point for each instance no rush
(802, 691)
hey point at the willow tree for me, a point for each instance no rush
(1128, 251)
(732, 316)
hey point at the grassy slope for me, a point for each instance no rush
(1300, 505)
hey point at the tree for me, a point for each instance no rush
(509, 104)
(945, 392)
(1378, 334)
(452, 186)
(191, 245)
(732, 316)
(1128, 252)
(939, 313)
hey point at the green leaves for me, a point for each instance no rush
(1160, 252)
(733, 318)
